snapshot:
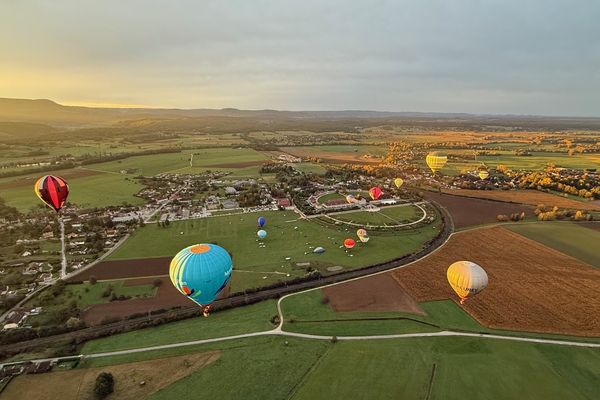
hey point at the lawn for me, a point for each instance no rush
(572, 239)
(386, 216)
(252, 318)
(237, 233)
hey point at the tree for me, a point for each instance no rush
(157, 282)
(105, 385)
(93, 279)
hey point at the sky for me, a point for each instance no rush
(499, 57)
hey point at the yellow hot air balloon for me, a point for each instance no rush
(467, 279)
(363, 236)
(483, 174)
(436, 161)
(398, 182)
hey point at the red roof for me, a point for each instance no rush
(284, 202)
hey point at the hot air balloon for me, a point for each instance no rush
(375, 193)
(467, 279)
(349, 243)
(363, 236)
(351, 199)
(261, 221)
(261, 234)
(436, 161)
(398, 182)
(201, 272)
(483, 174)
(52, 190)
(319, 250)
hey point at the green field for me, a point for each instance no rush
(310, 168)
(99, 189)
(237, 233)
(386, 216)
(572, 239)
(88, 294)
(329, 196)
(102, 184)
(290, 368)
(252, 318)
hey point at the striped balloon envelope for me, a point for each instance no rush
(436, 161)
(201, 272)
(52, 190)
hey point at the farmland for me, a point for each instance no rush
(532, 287)
(87, 188)
(393, 368)
(467, 212)
(569, 238)
(287, 237)
(103, 184)
(79, 383)
(530, 197)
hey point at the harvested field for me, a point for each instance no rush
(530, 197)
(166, 297)
(242, 164)
(469, 211)
(78, 384)
(532, 287)
(126, 269)
(377, 293)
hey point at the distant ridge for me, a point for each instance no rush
(49, 112)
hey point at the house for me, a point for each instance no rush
(15, 317)
(284, 202)
(230, 190)
(10, 326)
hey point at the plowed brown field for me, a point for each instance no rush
(377, 293)
(126, 269)
(467, 211)
(531, 287)
(531, 197)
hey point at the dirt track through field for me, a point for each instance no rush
(467, 211)
(531, 287)
(378, 293)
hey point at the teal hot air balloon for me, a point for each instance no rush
(261, 234)
(201, 272)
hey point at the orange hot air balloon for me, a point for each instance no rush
(52, 190)
(375, 193)
(349, 243)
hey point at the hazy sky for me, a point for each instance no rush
(504, 56)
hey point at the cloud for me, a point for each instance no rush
(526, 57)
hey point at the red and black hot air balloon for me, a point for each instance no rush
(52, 190)
(375, 193)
